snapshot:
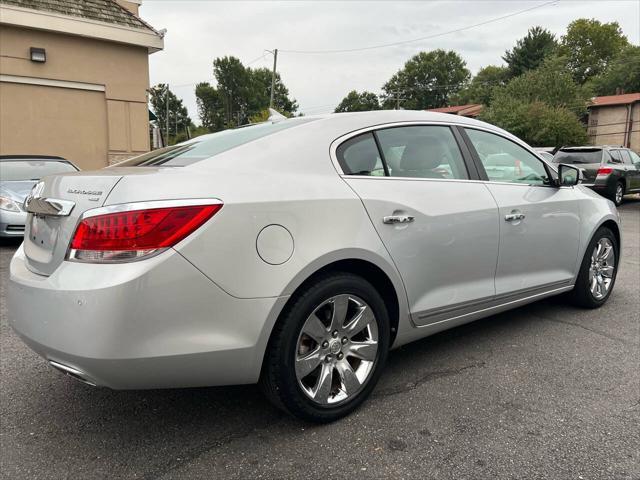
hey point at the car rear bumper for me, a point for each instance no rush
(12, 223)
(158, 323)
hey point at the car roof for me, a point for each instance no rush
(33, 157)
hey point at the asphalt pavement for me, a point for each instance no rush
(547, 391)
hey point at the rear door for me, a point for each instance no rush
(439, 225)
(632, 169)
(539, 223)
(635, 163)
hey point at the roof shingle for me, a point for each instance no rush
(107, 11)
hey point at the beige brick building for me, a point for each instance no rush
(73, 79)
(615, 120)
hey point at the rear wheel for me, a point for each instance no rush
(618, 194)
(327, 351)
(598, 270)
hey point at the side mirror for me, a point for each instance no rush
(568, 175)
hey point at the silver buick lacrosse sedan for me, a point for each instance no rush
(296, 253)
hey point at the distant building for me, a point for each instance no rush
(615, 120)
(471, 110)
(74, 76)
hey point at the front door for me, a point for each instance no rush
(539, 223)
(439, 227)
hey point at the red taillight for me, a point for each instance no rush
(605, 170)
(131, 234)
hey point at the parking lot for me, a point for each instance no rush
(545, 391)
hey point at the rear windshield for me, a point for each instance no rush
(592, 155)
(207, 146)
(17, 170)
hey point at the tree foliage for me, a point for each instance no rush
(551, 84)
(427, 80)
(590, 46)
(179, 119)
(480, 89)
(542, 106)
(530, 51)
(622, 73)
(239, 95)
(359, 102)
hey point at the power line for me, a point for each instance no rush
(428, 37)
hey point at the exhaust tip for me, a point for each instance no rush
(72, 372)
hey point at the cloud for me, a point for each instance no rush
(199, 31)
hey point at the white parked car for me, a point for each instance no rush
(294, 254)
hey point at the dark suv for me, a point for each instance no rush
(611, 171)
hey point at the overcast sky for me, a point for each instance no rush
(199, 31)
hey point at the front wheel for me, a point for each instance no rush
(328, 350)
(598, 270)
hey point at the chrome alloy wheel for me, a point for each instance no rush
(602, 268)
(619, 193)
(336, 350)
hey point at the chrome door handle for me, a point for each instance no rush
(511, 217)
(392, 219)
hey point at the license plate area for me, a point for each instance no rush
(42, 238)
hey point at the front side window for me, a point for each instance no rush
(359, 156)
(506, 161)
(422, 151)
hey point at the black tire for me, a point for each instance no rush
(581, 294)
(617, 200)
(278, 379)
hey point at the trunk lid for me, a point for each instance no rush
(47, 237)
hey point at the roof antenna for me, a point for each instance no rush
(275, 116)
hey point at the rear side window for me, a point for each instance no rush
(570, 157)
(208, 146)
(359, 156)
(616, 157)
(422, 151)
(626, 158)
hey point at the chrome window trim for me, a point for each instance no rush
(372, 128)
(144, 205)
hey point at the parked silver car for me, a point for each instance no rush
(18, 175)
(294, 254)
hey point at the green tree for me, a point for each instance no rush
(260, 93)
(359, 102)
(530, 51)
(542, 106)
(210, 107)
(590, 46)
(179, 120)
(233, 86)
(427, 80)
(623, 73)
(240, 95)
(551, 83)
(537, 123)
(480, 89)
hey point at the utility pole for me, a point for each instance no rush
(167, 118)
(273, 76)
(397, 98)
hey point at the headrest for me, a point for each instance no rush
(362, 158)
(423, 153)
